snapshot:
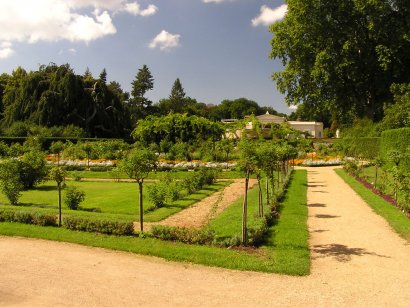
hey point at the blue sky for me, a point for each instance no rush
(218, 48)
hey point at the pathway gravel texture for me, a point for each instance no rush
(357, 260)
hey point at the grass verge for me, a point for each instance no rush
(286, 251)
(397, 219)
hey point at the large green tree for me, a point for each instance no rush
(342, 56)
(142, 83)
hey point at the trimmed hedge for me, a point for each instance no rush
(398, 140)
(100, 226)
(35, 218)
(185, 235)
(363, 147)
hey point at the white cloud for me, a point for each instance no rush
(6, 50)
(269, 16)
(72, 50)
(217, 1)
(53, 20)
(135, 9)
(165, 41)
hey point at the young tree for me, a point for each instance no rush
(137, 165)
(58, 175)
(56, 148)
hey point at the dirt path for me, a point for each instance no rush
(357, 260)
(198, 215)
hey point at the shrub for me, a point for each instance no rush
(157, 194)
(100, 226)
(74, 197)
(10, 181)
(396, 140)
(32, 169)
(185, 235)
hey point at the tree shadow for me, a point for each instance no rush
(340, 252)
(31, 205)
(45, 188)
(316, 185)
(319, 192)
(320, 230)
(318, 205)
(326, 216)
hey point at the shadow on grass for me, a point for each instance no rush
(341, 252)
(45, 188)
(31, 205)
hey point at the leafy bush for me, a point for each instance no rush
(396, 140)
(100, 226)
(157, 194)
(74, 197)
(32, 169)
(10, 181)
(185, 235)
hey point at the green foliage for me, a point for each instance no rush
(25, 217)
(100, 226)
(32, 169)
(397, 140)
(184, 235)
(57, 174)
(176, 128)
(10, 181)
(362, 147)
(198, 179)
(74, 197)
(157, 193)
(342, 56)
(138, 164)
(397, 115)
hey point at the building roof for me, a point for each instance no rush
(269, 118)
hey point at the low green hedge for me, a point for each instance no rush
(185, 235)
(396, 140)
(100, 226)
(25, 217)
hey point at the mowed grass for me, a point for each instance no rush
(397, 219)
(115, 200)
(284, 254)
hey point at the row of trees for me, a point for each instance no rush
(56, 96)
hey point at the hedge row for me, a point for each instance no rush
(185, 235)
(397, 140)
(35, 218)
(100, 226)
(364, 147)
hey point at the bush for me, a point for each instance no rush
(32, 169)
(74, 197)
(100, 226)
(185, 235)
(157, 194)
(10, 181)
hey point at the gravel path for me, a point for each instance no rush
(199, 214)
(357, 260)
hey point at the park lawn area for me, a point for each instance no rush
(284, 252)
(287, 241)
(396, 218)
(115, 200)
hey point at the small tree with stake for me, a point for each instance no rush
(137, 165)
(58, 174)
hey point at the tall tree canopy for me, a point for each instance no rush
(139, 104)
(55, 96)
(342, 56)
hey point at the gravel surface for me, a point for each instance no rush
(357, 260)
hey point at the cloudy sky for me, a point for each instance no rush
(218, 48)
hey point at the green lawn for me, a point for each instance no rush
(397, 219)
(284, 253)
(115, 200)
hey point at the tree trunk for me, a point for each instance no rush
(267, 190)
(59, 204)
(141, 207)
(375, 179)
(245, 210)
(260, 205)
